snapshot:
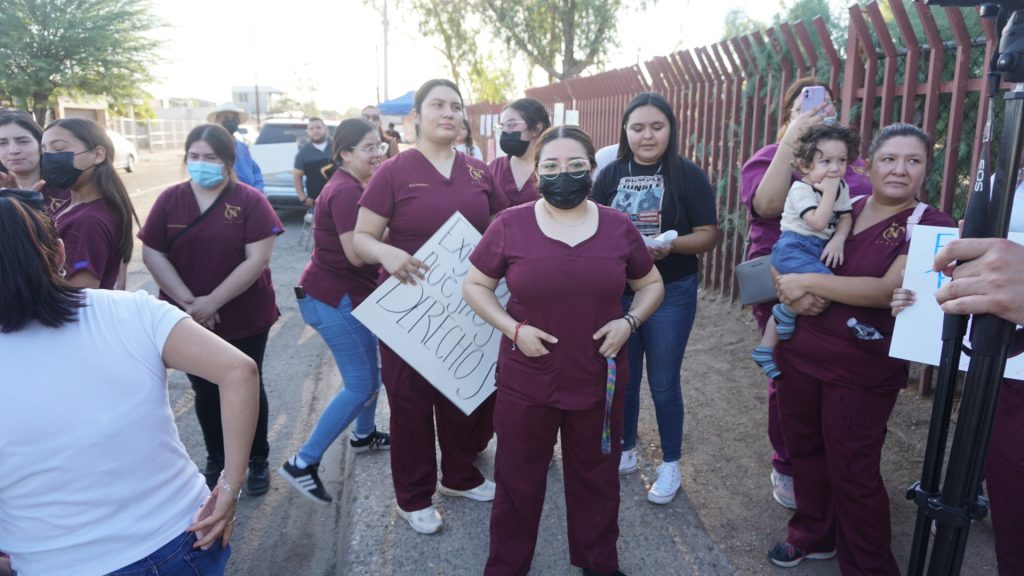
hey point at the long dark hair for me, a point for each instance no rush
(670, 159)
(31, 287)
(347, 136)
(104, 177)
(533, 112)
(220, 140)
(469, 136)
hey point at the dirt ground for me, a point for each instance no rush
(726, 452)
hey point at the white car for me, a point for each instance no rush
(126, 155)
(246, 135)
(274, 152)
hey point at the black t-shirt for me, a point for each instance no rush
(639, 191)
(311, 161)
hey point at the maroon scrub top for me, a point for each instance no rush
(501, 173)
(417, 200)
(764, 232)
(824, 347)
(92, 234)
(209, 252)
(54, 198)
(568, 292)
(329, 276)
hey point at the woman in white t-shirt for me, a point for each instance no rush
(93, 477)
(464, 141)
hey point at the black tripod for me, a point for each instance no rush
(953, 506)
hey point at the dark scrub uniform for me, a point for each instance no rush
(570, 293)
(204, 254)
(92, 237)
(501, 173)
(54, 198)
(835, 398)
(1004, 471)
(417, 200)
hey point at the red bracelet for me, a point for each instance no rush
(515, 335)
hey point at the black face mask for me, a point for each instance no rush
(230, 124)
(565, 192)
(58, 169)
(512, 145)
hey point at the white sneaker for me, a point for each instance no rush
(627, 462)
(667, 484)
(426, 521)
(782, 490)
(482, 493)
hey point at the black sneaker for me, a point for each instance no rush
(589, 572)
(375, 441)
(257, 482)
(786, 555)
(306, 481)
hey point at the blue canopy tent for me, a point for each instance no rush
(398, 106)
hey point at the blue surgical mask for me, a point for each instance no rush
(206, 174)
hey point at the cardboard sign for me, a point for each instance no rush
(917, 335)
(431, 327)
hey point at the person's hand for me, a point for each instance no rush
(7, 180)
(809, 305)
(789, 288)
(990, 280)
(799, 122)
(308, 202)
(530, 341)
(203, 309)
(832, 255)
(659, 253)
(902, 298)
(220, 523)
(405, 267)
(829, 185)
(615, 334)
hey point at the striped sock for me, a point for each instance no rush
(762, 355)
(785, 321)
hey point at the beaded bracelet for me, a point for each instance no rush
(227, 486)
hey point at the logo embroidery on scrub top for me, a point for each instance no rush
(476, 174)
(231, 212)
(894, 233)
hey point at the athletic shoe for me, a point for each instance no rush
(667, 484)
(426, 521)
(627, 462)
(482, 493)
(375, 441)
(782, 490)
(786, 555)
(257, 482)
(306, 481)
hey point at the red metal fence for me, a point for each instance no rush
(910, 63)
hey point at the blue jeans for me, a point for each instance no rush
(795, 253)
(355, 352)
(662, 340)
(179, 558)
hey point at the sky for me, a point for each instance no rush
(332, 50)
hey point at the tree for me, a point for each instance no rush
(738, 23)
(54, 47)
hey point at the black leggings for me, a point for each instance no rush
(208, 403)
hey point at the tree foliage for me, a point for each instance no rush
(54, 47)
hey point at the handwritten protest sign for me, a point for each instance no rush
(431, 327)
(918, 333)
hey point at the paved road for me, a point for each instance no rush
(281, 533)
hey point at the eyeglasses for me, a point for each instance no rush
(371, 117)
(30, 198)
(372, 149)
(510, 126)
(549, 169)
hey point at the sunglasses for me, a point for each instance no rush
(30, 198)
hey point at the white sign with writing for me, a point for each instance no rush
(918, 333)
(431, 327)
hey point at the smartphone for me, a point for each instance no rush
(203, 513)
(811, 97)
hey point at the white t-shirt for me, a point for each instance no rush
(93, 476)
(475, 152)
(803, 197)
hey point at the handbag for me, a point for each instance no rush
(754, 278)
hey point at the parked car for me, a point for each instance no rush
(126, 155)
(246, 135)
(274, 151)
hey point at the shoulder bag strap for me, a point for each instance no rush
(204, 214)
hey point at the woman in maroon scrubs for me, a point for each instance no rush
(560, 369)
(208, 243)
(522, 122)
(21, 155)
(96, 224)
(412, 196)
(839, 384)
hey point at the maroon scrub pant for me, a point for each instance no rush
(526, 440)
(414, 404)
(780, 456)
(1004, 473)
(835, 434)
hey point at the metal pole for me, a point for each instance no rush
(385, 49)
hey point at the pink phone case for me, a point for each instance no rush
(811, 97)
(203, 513)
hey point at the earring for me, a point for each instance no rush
(62, 272)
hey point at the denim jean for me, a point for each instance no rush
(355, 352)
(662, 341)
(179, 558)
